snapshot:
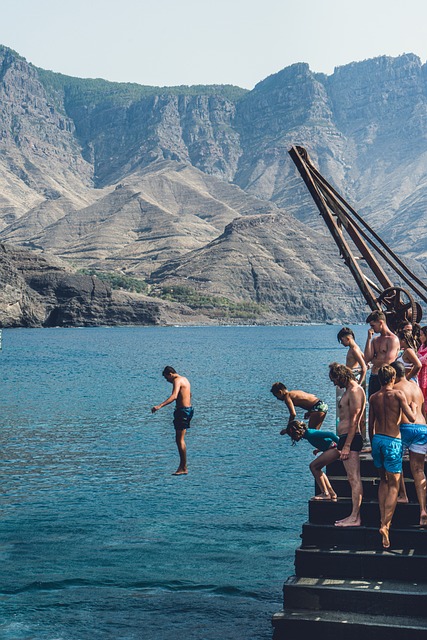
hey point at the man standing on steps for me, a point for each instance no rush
(385, 415)
(414, 436)
(380, 350)
(351, 408)
(181, 394)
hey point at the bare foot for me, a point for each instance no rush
(324, 496)
(348, 522)
(180, 472)
(423, 519)
(385, 538)
(403, 499)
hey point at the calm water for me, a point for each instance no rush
(98, 539)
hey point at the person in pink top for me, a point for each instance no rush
(422, 357)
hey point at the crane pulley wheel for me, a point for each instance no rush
(399, 306)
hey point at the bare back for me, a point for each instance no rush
(354, 358)
(302, 399)
(183, 388)
(413, 395)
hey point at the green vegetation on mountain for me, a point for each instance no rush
(212, 306)
(94, 90)
(118, 281)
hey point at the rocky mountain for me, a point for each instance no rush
(41, 291)
(273, 260)
(195, 184)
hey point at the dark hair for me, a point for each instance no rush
(341, 374)
(277, 386)
(424, 330)
(167, 371)
(376, 316)
(294, 429)
(407, 336)
(399, 367)
(345, 331)
(386, 374)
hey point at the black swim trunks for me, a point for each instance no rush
(356, 444)
(182, 417)
(374, 384)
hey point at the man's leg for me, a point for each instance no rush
(316, 419)
(389, 506)
(416, 461)
(327, 492)
(352, 467)
(182, 449)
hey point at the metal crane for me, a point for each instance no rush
(344, 224)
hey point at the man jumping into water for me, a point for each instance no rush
(181, 394)
(315, 409)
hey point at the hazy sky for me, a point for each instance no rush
(173, 42)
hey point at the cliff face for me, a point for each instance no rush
(271, 260)
(146, 179)
(40, 291)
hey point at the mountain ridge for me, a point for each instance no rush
(118, 176)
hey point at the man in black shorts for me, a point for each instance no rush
(181, 394)
(350, 411)
(380, 350)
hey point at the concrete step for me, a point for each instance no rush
(367, 467)
(364, 538)
(396, 564)
(324, 625)
(370, 487)
(371, 597)
(327, 512)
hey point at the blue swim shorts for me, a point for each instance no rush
(414, 437)
(387, 453)
(182, 417)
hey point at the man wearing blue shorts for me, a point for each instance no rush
(414, 437)
(181, 394)
(385, 415)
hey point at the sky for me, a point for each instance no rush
(185, 42)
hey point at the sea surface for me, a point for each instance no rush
(97, 539)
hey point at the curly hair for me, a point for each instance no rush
(341, 374)
(295, 430)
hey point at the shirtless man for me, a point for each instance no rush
(351, 409)
(355, 360)
(414, 437)
(316, 409)
(181, 394)
(381, 350)
(385, 415)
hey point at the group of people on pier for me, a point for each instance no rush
(397, 397)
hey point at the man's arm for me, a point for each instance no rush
(289, 403)
(369, 347)
(416, 364)
(371, 419)
(354, 409)
(358, 356)
(172, 397)
(409, 410)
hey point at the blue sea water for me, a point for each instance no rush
(98, 539)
